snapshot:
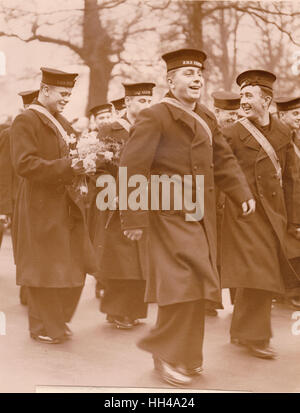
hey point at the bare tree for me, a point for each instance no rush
(84, 32)
(199, 17)
(273, 53)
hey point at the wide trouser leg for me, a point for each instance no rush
(50, 308)
(124, 298)
(251, 319)
(178, 335)
(69, 298)
(36, 324)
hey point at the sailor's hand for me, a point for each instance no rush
(77, 166)
(133, 234)
(248, 207)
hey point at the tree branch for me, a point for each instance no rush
(46, 39)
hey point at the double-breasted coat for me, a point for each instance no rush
(255, 249)
(119, 257)
(52, 247)
(182, 254)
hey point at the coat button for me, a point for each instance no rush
(273, 193)
(259, 177)
(212, 165)
(210, 189)
(195, 167)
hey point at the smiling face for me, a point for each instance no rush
(291, 118)
(185, 83)
(56, 97)
(225, 117)
(254, 104)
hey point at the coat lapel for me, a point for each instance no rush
(181, 116)
(248, 139)
(199, 134)
(277, 137)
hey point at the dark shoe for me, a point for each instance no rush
(68, 332)
(46, 339)
(110, 319)
(170, 374)
(124, 323)
(136, 322)
(196, 371)
(263, 351)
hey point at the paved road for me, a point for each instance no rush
(100, 355)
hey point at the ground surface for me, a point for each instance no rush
(100, 355)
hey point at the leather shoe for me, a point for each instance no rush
(195, 371)
(170, 374)
(68, 332)
(47, 339)
(110, 319)
(263, 351)
(124, 324)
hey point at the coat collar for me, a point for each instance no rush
(179, 115)
(278, 136)
(199, 134)
(63, 121)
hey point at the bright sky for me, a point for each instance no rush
(23, 60)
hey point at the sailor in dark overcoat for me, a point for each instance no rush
(180, 137)
(52, 248)
(254, 250)
(121, 260)
(226, 110)
(9, 181)
(101, 114)
(288, 110)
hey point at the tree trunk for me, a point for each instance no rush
(97, 49)
(194, 24)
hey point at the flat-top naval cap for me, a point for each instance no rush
(56, 77)
(28, 96)
(138, 89)
(256, 78)
(184, 57)
(287, 103)
(119, 104)
(226, 100)
(103, 108)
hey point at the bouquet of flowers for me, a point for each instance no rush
(91, 151)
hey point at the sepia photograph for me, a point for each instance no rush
(149, 198)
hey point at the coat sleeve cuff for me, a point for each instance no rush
(134, 219)
(240, 195)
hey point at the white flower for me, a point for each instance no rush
(73, 152)
(89, 164)
(108, 155)
(83, 189)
